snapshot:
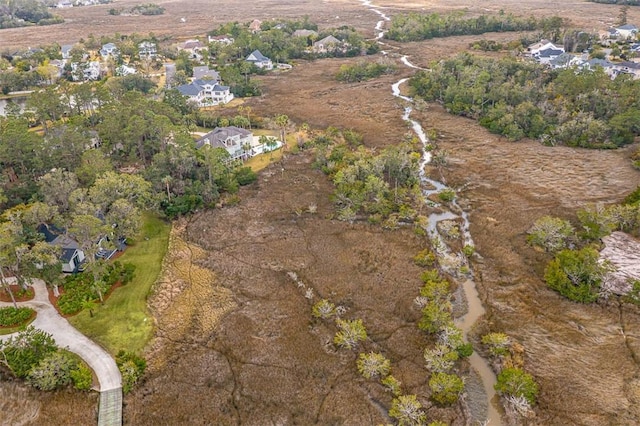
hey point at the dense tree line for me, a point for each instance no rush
(418, 26)
(93, 128)
(276, 41)
(517, 99)
(26, 12)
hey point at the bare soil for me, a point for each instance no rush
(244, 348)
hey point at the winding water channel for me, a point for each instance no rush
(482, 402)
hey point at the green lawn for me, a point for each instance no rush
(124, 322)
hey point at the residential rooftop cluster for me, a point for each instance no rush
(554, 55)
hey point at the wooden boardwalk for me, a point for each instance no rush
(110, 412)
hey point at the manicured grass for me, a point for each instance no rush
(124, 322)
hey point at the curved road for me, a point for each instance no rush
(67, 337)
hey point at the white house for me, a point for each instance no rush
(204, 93)
(626, 31)
(124, 70)
(543, 44)
(241, 144)
(85, 70)
(238, 142)
(259, 60)
(109, 49)
(221, 39)
(547, 55)
(147, 49)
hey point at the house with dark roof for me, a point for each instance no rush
(65, 50)
(626, 67)
(567, 60)
(259, 60)
(543, 44)
(547, 55)
(71, 255)
(327, 44)
(237, 141)
(204, 73)
(204, 93)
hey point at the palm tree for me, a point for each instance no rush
(167, 180)
(89, 304)
(282, 121)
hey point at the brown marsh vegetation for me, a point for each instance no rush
(264, 360)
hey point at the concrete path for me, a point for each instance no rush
(67, 337)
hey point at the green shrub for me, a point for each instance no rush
(465, 350)
(516, 382)
(550, 233)
(497, 343)
(323, 309)
(447, 195)
(445, 388)
(245, 176)
(392, 384)
(407, 410)
(634, 197)
(25, 350)
(131, 367)
(576, 274)
(82, 377)
(425, 258)
(373, 365)
(53, 371)
(351, 333)
(10, 316)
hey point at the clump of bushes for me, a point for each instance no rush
(364, 71)
(80, 288)
(11, 317)
(576, 274)
(132, 367)
(33, 355)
